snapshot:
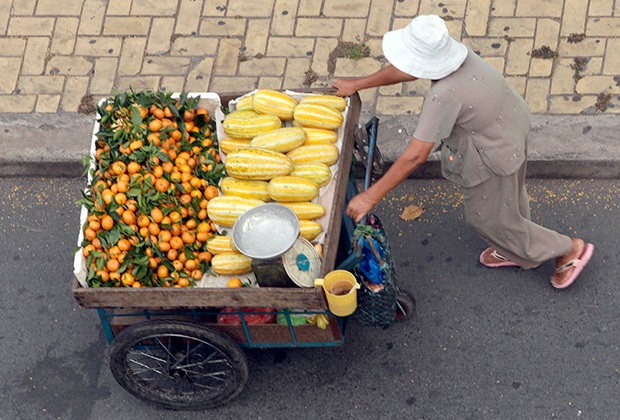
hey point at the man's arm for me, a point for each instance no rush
(415, 155)
(386, 76)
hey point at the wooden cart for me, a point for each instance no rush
(168, 349)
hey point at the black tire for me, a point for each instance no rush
(405, 305)
(178, 365)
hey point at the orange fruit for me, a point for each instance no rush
(234, 282)
(104, 275)
(197, 274)
(183, 282)
(188, 237)
(129, 217)
(96, 243)
(107, 222)
(210, 192)
(176, 230)
(164, 246)
(175, 216)
(178, 265)
(205, 256)
(144, 231)
(162, 271)
(124, 245)
(167, 166)
(107, 195)
(157, 215)
(119, 168)
(158, 112)
(185, 199)
(133, 167)
(136, 144)
(154, 229)
(176, 242)
(90, 234)
(165, 235)
(122, 186)
(112, 264)
(172, 254)
(114, 252)
(162, 185)
(143, 220)
(149, 178)
(127, 279)
(120, 198)
(155, 125)
(87, 249)
(191, 265)
(188, 116)
(157, 171)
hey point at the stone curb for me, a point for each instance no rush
(53, 145)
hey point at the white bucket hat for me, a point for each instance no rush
(424, 48)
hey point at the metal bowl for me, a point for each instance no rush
(266, 231)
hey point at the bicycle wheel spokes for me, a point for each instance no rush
(180, 361)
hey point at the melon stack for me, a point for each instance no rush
(268, 159)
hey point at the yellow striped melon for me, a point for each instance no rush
(226, 209)
(281, 139)
(257, 164)
(244, 188)
(245, 104)
(317, 116)
(220, 244)
(242, 114)
(228, 144)
(267, 101)
(319, 136)
(231, 263)
(305, 210)
(292, 188)
(317, 172)
(316, 153)
(331, 101)
(244, 125)
(309, 229)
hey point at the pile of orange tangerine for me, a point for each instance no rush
(153, 174)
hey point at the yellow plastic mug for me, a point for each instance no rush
(340, 287)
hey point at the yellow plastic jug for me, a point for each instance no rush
(340, 287)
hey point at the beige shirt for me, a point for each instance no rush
(481, 122)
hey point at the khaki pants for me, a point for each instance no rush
(498, 210)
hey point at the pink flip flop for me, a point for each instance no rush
(503, 261)
(576, 265)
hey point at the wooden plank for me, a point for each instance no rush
(272, 297)
(331, 244)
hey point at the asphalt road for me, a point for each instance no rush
(485, 343)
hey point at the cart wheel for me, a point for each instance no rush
(405, 305)
(178, 365)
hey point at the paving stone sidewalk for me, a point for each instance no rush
(58, 58)
(54, 53)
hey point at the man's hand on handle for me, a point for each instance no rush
(346, 87)
(360, 206)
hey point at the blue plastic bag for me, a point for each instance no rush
(369, 266)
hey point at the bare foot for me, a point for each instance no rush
(559, 278)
